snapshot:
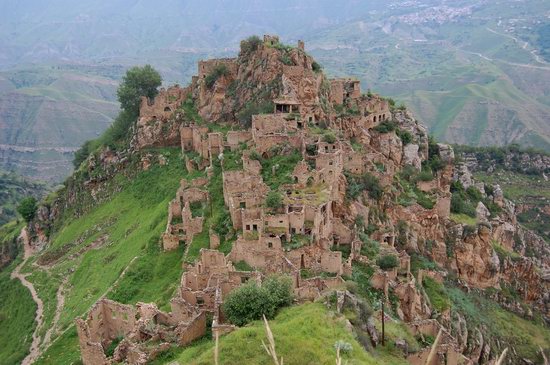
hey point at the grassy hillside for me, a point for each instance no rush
(527, 337)
(304, 335)
(530, 192)
(16, 318)
(112, 251)
(16, 305)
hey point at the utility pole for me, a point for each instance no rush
(383, 324)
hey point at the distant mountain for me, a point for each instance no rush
(33, 30)
(468, 69)
(46, 114)
(472, 70)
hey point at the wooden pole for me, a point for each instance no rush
(216, 349)
(383, 323)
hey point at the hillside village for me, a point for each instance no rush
(366, 187)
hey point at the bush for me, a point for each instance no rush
(212, 77)
(280, 290)
(329, 137)
(316, 67)
(27, 208)
(425, 175)
(437, 294)
(250, 44)
(387, 262)
(274, 200)
(244, 116)
(83, 152)
(385, 127)
(250, 301)
(461, 205)
(370, 247)
(357, 184)
(406, 136)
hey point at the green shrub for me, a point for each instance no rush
(285, 58)
(425, 175)
(217, 72)
(436, 292)
(250, 301)
(83, 152)
(280, 290)
(406, 136)
(370, 247)
(244, 116)
(329, 137)
(408, 173)
(461, 205)
(316, 67)
(357, 184)
(274, 200)
(250, 44)
(386, 126)
(424, 200)
(387, 262)
(112, 346)
(243, 266)
(27, 208)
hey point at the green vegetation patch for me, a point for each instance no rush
(304, 335)
(17, 324)
(437, 294)
(501, 325)
(277, 170)
(120, 235)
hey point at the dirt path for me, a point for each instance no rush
(60, 296)
(39, 316)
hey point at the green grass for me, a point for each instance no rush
(437, 294)
(464, 219)
(132, 222)
(17, 324)
(304, 335)
(276, 170)
(64, 350)
(511, 330)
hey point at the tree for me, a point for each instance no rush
(27, 208)
(138, 82)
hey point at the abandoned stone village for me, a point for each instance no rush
(274, 100)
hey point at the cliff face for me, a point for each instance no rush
(367, 184)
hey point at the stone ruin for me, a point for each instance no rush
(182, 226)
(143, 331)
